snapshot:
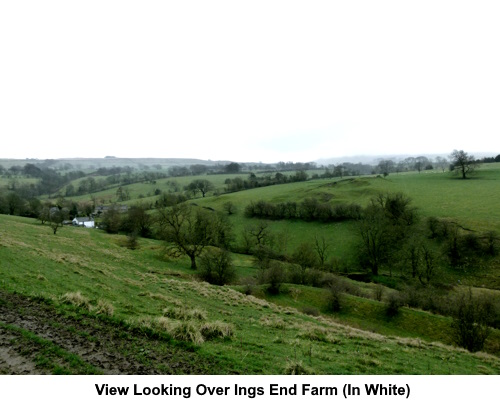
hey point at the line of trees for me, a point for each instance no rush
(310, 209)
(254, 181)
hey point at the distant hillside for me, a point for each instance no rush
(95, 163)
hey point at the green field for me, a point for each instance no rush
(267, 337)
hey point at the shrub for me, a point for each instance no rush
(305, 256)
(132, 242)
(470, 323)
(491, 243)
(335, 297)
(378, 292)
(393, 305)
(229, 207)
(216, 267)
(314, 277)
(274, 275)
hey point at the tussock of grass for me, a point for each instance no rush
(217, 329)
(183, 314)
(273, 322)
(317, 334)
(104, 307)
(187, 332)
(77, 299)
(162, 297)
(293, 367)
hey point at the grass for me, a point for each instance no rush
(89, 271)
(252, 335)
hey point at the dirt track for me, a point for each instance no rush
(103, 348)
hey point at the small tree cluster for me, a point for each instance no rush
(253, 181)
(384, 227)
(463, 248)
(200, 186)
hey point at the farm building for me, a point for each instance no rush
(87, 222)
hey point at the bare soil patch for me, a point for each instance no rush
(36, 338)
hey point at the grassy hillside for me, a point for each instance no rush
(131, 294)
(473, 204)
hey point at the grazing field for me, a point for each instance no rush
(90, 282)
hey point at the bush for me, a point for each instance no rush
(216, 267)
(470, 323)
(378, 292)
(335, 297)
(491, 243)
(305, 256)
(274, 275)
(393, 305)
(132, 243)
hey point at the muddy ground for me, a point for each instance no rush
(35, 338)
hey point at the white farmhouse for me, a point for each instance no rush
(87, 222)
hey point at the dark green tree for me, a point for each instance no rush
(202, 186)
(111, 220)
(138, 221)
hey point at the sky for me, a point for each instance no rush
(248, 80)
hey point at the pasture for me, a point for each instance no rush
(88, 274)
(143, 287)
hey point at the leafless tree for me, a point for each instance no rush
(463, 163)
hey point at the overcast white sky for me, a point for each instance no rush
(248, 81)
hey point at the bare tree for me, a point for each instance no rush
(463, 163)
(321, 247)
(189, 231)
(442, 163)
(258, 235)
